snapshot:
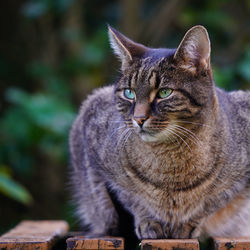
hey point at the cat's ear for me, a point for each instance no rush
(193, 53)
(124, 48)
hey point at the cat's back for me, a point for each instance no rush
(236, 105)
(240, 111)
(94, 114)
(91, 122)
(235, 108)
(97, 103)
(242, 99)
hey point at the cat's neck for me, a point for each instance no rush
(162, 162)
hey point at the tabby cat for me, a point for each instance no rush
(171, 146)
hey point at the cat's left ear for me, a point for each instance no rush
(193, 53)
(126, 49)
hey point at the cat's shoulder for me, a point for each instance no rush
(240, 94)
(241, 97)
(96, 107)
(237, 96)
(100, 99)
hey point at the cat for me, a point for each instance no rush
(171, 146)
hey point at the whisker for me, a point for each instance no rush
(195, 123)
(185, 134)
(174, 132)
(189, 133)
(182, 121)
(122, 136)
(173, 141)
(127, 135)
(124, 126)
(156, 127)
(160, 122)
(110, 121)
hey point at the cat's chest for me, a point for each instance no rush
(158, 179)
(156, 164)
(147, 165)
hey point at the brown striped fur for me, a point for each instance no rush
(179, 164)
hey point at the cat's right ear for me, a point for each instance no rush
(124, 48)
(193, 53)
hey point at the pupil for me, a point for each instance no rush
(164, 92)
(129, 94)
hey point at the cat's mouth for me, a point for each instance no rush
(144, 132)
(147, 135)
(148, 132)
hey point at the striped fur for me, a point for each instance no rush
(180, 164)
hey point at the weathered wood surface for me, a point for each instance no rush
(183, 244)
(242, 243)
(39, 235)
(103, 243)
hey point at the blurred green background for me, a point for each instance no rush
(54, 52)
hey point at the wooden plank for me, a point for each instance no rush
(169, 244)
(103, 243)
(33, 235)
(242, 243)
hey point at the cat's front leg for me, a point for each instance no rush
(187, 230)
(150, 229)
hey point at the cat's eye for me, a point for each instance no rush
(163, 93)
(129, 93)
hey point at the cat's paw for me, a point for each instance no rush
(184, 231)
(149, 229)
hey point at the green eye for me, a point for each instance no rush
(130, 94)
(163, 93)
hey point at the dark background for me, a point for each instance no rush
(54, 52)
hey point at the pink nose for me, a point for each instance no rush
(140, 120)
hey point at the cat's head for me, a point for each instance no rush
(163, 92)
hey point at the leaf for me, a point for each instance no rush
(16, 96)
(14, 190)
(223, 77)
(244, 65)
(62, 5)
(43, 110)
(34, 9)
(5, 170)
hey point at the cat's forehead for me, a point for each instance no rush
(152, 65)
(157, 54)
(154, 59)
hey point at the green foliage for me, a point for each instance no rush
(34, 121)
(43, 111)
(54, 52)
(12, 189)
(37, 8)
(244, 65)
(234, 76)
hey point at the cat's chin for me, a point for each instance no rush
(154, 137)
(148, 137)
(151, 137)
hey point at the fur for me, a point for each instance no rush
(179, 164)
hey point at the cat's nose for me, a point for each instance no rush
(140, 120)
(141, 113)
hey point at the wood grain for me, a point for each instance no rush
(183, 244)
(39, 235)
(103, 243)
(242, 243)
